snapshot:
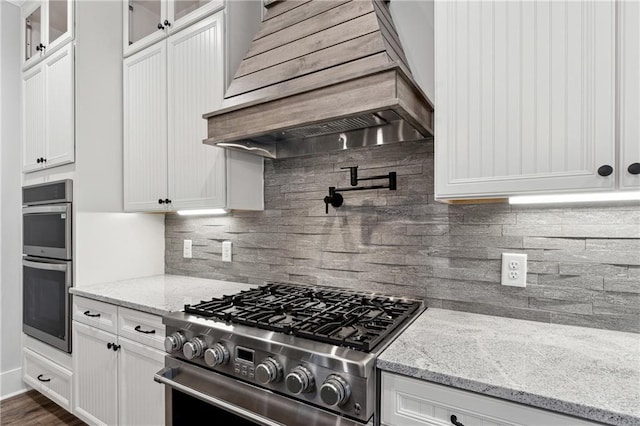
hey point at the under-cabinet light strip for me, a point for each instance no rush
(202, 212)
(575, 198)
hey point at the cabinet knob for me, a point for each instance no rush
(160, 26)
(40, 47)
(167, 23)
(160, 201)
(39, 160)
(167, 201)
(605, 170)
(634, 168)
(113, 346)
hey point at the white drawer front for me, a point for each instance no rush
(408, 402)
(141, 327)
(47, 377)
(96, 314)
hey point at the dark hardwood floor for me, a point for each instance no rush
(31, 408)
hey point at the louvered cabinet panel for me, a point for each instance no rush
(197, 175)
(629, 92)
(141, 400)
(95, 379)
(60, 121)
(525, 95)
(145, 129)
(33, 118)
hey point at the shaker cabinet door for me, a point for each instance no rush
(629, 93)
(145, 134)
(197, 174)
(525, 95)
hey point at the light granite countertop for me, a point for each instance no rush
(159, 294)
(585, 372)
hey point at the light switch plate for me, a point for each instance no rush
(226, 251)
(514, 269)
(187, 249)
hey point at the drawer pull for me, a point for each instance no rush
(455, 421)
(140, 330)
(89, 314)
(43, 380)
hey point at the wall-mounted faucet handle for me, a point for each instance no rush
(333, 198)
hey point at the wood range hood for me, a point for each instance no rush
(321, 75)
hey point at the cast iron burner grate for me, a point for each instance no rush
(344, 318)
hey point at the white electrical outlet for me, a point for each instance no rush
(186, 249)
(226, 251)
(514, 269)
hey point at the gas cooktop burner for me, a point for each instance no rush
(338, 317)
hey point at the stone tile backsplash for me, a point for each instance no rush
(583, 261)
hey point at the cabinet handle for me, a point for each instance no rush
(455, 421)
(634, 168)
(167, 23)
(113, 346)
(87, 313)
(140, 330)
(160, 26)
(43, 380)
(605, 170)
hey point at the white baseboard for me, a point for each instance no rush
(11, 383)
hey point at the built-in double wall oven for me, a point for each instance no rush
(47, 262)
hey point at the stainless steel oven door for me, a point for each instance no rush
(193, 393)
(46, 301)
(46, 231)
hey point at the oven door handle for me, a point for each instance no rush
(45, 209)
(165, 376)
(46, 266)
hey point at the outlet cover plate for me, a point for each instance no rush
(187, 251)
(226, 251)
(514, 269)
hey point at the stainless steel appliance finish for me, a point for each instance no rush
(46, 300)
(47, 220)
(287, 352)
(47, 267)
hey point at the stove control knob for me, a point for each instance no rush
(194, 348)
(335, 390)
(216, 355)
(268, 371)
(299, 380)
(174, 342)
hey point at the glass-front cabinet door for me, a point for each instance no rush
(46, 26)
(148, 21)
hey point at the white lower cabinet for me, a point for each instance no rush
(48, 377)
(113, 380)
(408, 402)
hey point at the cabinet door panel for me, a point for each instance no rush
(196, 86)
(60, 107)
(525, 97)
(182, 13)
(32, 33)
(33, 118)
(141, 19)
(629, 75)
(95, 377)
(59, 23)
(145, 129)
(141, 400)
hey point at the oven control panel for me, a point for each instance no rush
(276, 370)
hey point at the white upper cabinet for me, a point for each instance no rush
(145, 134)
(48, 112)
(167, 88)
(46, 26)
(525, 96)
(148, 21)
(629, 93)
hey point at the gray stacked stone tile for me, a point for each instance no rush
(584, 260)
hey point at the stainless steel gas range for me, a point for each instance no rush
(280, 355)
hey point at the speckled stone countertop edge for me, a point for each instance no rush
(119, 302)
